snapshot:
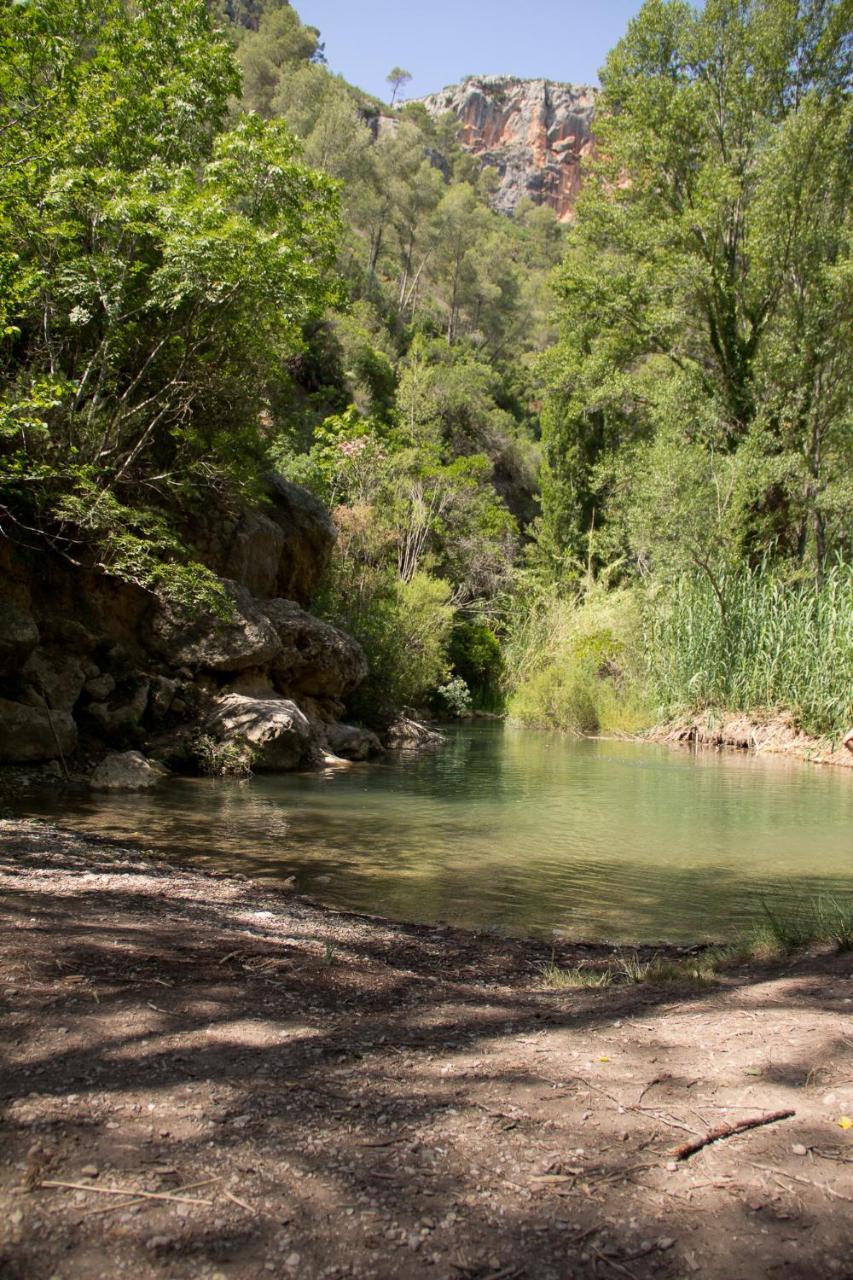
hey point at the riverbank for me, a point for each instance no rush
(303, 1092)
(776, 734)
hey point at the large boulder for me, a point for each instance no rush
(280, 549)
(119, 719)
(19, 635)
(126, 771)
(309, 536)
(277, 733)
(314, 658)
(253, 556)
(247, 639)
(29, 734)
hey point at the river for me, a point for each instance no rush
(517, 830)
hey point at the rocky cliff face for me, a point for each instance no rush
(534, 132)
(88, 663)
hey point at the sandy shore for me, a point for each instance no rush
(305, 1093)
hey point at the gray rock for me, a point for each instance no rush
(56, 677)
(351, 742)
(120, 717)
(309, 536)
(246, 640)
(314, 657)
(34, 733)
(100, 687)
(278, 733)
(126, 771)
(19, 635)
(254, 554)
(161, 697)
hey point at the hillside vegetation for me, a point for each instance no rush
(602, 470)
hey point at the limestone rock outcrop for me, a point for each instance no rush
(533, 132)
(82, 651)
(279, 735)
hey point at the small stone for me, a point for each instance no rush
(672, 1166)
(292, 1261)
(89, 1171)
(665, 1242)
(799, 1150)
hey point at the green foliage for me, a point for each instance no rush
(233, 759)
(156, 270)
(475, 654)
(752, 641)
(704, 292)
(574, 664)
(454, 697)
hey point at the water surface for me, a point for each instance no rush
(524, 831)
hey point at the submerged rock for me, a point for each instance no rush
(412, 735)
(351, 742)
(279, 735)
(127, 771)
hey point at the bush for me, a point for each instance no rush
(573, 665)
(475, 654)
(404, 629)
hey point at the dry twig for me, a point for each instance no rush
(728, 1131)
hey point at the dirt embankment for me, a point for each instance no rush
(773, 735)
(289, 1091)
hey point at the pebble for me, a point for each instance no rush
(799, 1150)
(292, 1261)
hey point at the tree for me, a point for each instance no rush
(705, 281)
(397, 77)
(156, 272)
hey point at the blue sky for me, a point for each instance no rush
(440, 41)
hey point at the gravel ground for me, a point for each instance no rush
(280, 1089)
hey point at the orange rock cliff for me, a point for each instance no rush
(533, 132)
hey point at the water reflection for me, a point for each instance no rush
(520, 830)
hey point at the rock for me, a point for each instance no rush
(126, 771)
(161, 697)
(314, 658)
(55, 677)
(123, 715)
(309, 536)
(100, 687)
(254, 555)
(412, 735)
(247, 639)
(534, 132)
(352, 742)
(279, 734)
(34, 733)
(19, 635)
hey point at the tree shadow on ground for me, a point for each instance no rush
(363, 1108)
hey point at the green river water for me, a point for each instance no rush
(523, 831)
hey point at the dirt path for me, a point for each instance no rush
(366, 1099)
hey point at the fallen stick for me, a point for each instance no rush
(728, 1131)
(241, 1203)
(123, 1191)
(128, 1204)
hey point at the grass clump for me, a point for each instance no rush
(556, 978)
(749, 641)
(824, 919)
